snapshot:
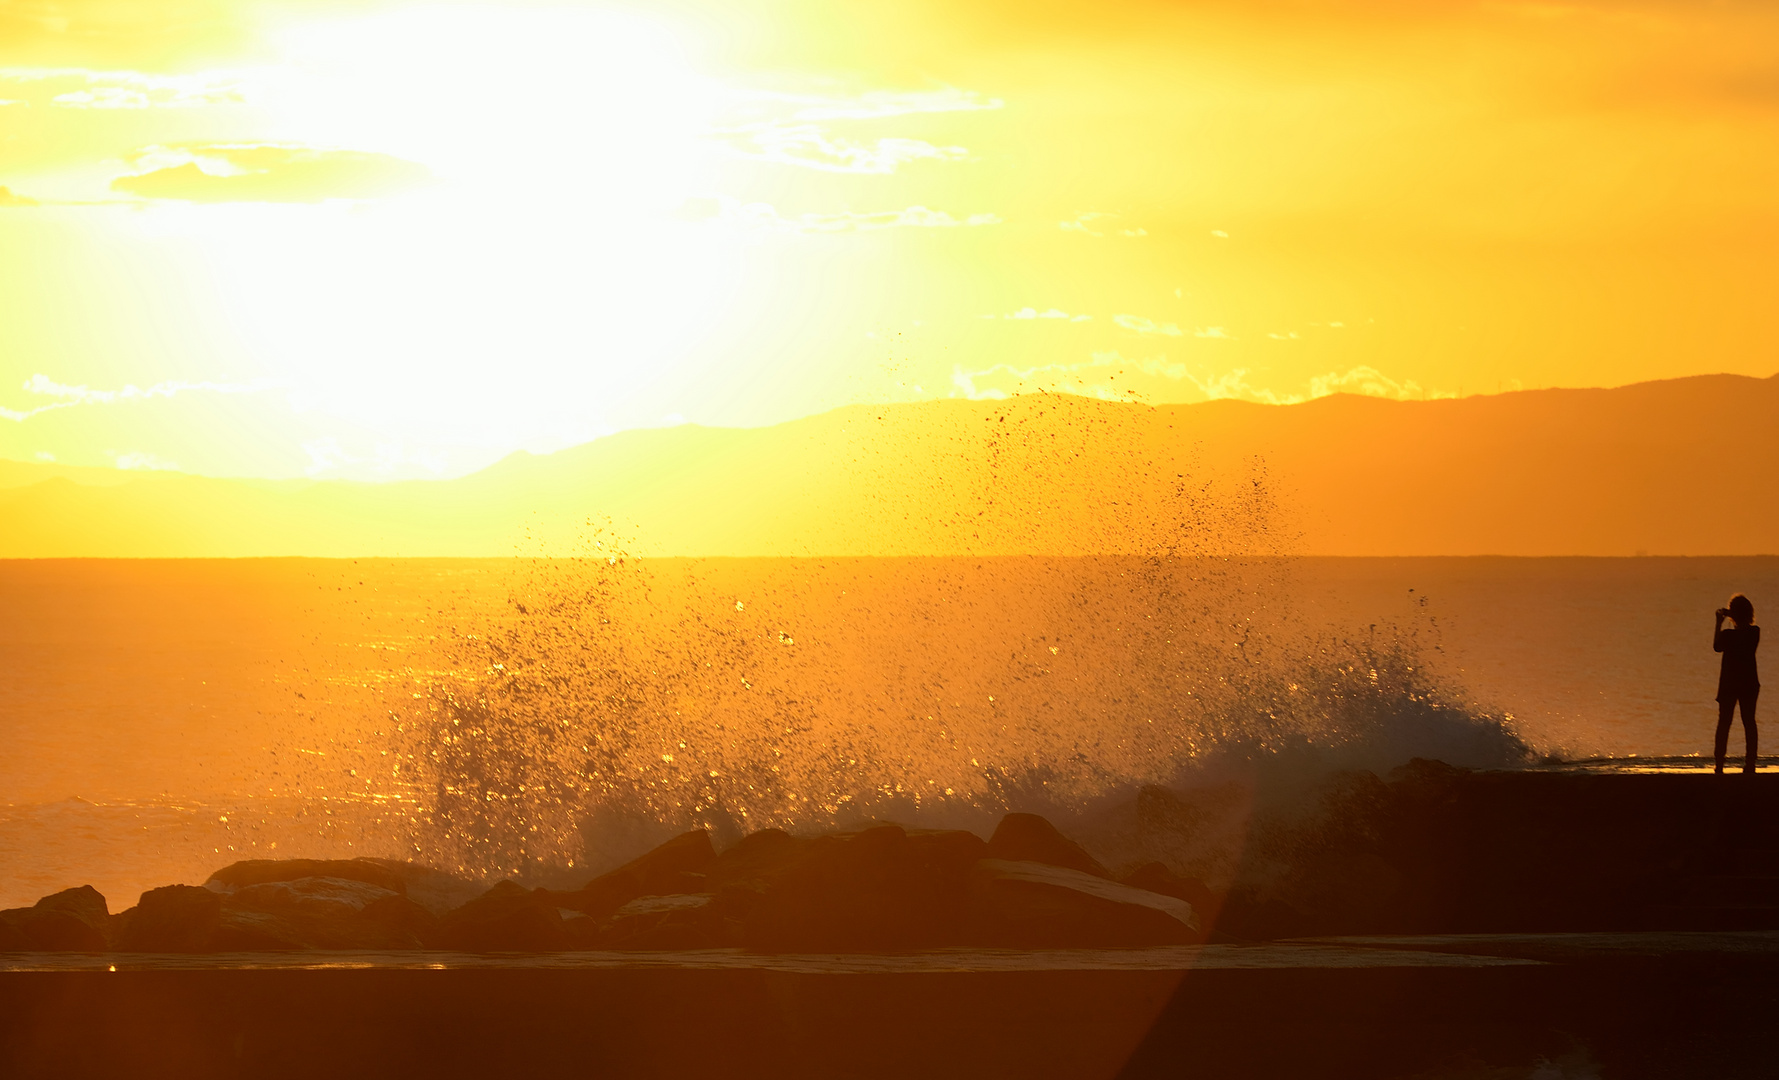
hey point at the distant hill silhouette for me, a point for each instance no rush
(1679, 467)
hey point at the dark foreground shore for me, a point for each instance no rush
(1550, 1007)
(1547, 925)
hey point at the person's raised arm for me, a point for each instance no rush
(1717, 630)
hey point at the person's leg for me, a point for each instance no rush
(1751, 732)
(1725, 711)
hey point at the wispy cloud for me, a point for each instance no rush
(1147, 326)
(138, 459)
(1138, 324)
(809, 147)
(84, 88)
(880, 104)
(1087, 224)
(1049, 313)
(1089, 378)
(765, 216)
(263, 172)
(1098, 376)
(65, 396)
(796, 129)
(1363, 379)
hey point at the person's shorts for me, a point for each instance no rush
(1743, 697)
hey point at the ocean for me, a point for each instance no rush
(539, 719)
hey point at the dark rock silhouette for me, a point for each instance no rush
(1034, 905)
(673, 867)
(676, 921)
(261, 871)
(327, 913)
(1030, 838)
(1428, 849)
(276, 911)
(73, 920)
(1157, 878)
(882, 888)
(173, 918)
(506, 918)
(435, 890)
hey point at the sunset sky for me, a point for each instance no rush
(369, 240)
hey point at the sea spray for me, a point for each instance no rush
(806, 694)
(1096, 613)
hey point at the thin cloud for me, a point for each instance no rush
(141, 460)
(7, 198)
(1049, 313)
(1148, 326)
(1096, 377)
(1065, 378)
(882, 104)
(808, 146)
(765, 216)
(256, 172)
(84, 88)
(1085, 224)
(801, 135)
(66, 396)
(918, 217)
(1363, 380)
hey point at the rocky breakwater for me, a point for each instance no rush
(872, 889)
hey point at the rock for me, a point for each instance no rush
(583, 930)
(674, 867)
(254, 931)
(506, 918)
(323, 897)
(405, 923)
(173, 918)
(756, 860)
(275, 916)
(879, 889)
(320, 913)
(435, 890)
(682, 921)
(1157, 878)
(1030, 838)
(73, 920)
(1034, 905)
(263, 871)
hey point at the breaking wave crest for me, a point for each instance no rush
(615, 695)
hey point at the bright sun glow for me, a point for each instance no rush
(560, 146)
(385, 238)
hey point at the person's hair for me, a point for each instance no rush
(1741, 609)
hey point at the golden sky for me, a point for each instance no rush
(374, 240)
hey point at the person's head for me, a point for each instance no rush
(1741, 609)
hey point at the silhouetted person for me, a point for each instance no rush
(1739, 680)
